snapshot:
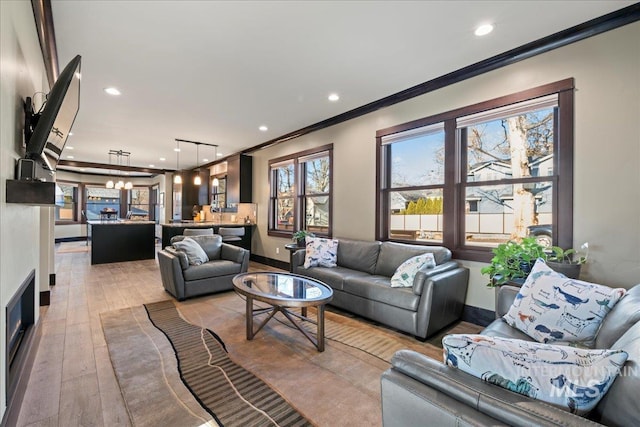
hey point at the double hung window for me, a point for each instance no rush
(478, 176)
(300, 196)
(66, 203)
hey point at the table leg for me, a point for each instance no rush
(249, 316)
(303, 311)
(320, 336)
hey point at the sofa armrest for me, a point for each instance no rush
(182, 257)
(506, 296)
(236, 254)
(487, 399)
(426, 273)
(171, 273)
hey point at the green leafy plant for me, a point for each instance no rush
(513, 260)
(569, 256)
(300, 236)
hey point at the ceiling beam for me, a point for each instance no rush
(123, 168)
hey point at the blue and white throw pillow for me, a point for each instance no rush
(321, 252)
(574, 379)
(553, 308)
(406, 272)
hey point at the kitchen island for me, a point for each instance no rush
(177, 228)
(122, 240)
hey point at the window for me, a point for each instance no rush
(139, 203)
(478, 176)
(301, 192)
(67, 203)
(100, 199)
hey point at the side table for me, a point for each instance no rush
(292, 247)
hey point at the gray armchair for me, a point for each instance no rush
(183, 280)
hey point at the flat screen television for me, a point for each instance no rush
(46, 131)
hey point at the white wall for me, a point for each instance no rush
(22, 74)
(606, 69)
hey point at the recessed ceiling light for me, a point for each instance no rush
(483, 30)
(162, 159)
(69, 157)
(263, 128)
(205, 160)
(152, 166)
(68, 147)
(176, 149)
(70, 133)
(219, 154)
(334, 97)
(112, 91)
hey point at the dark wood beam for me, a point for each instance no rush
(47, 36)
(80, 164)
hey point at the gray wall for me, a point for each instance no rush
(22, 75)
(606, 69)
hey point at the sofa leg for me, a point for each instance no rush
(420, 338)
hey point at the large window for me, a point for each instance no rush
(100, 200)
(301, 192)
(475, 177)
(67, 203)
(139, 203)
(219, 193)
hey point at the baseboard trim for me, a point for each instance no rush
(70, 239)
(12, 412)
(270, 262)
(477, 315)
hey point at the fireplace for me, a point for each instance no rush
(20, 317)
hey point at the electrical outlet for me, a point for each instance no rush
(277, 251)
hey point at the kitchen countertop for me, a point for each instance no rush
(204, 224)
(118, 222)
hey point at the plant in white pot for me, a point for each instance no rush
(569, 261)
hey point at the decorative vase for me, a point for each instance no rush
(572, 271)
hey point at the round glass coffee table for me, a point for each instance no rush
(283, 291)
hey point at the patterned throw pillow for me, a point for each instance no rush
(551, 307)
(404, 275)
(193, 250)
(321, 252)
(573, 378)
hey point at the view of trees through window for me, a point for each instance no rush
(480, 175)
(66, 203)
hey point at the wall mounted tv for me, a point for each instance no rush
(46, 131)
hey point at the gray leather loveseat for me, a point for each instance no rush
(417, 388)
(183, 280)
(361, 285)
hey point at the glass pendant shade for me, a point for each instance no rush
(197, 180)
(128, 186)
(177, 179)
(110, 184)
(119, 185)
(215, 182)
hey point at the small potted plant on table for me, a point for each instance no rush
(300, 237)
(512, 261)
(567, 262)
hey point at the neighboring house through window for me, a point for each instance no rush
(301, 189)
(478, 176)
(66, 203)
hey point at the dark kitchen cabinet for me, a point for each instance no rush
(239, 180)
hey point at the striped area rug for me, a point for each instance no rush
(231, 394)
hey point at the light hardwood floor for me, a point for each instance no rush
(72, 382)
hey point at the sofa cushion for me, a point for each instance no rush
(321, 252)
(358, 255)
(377, 288)
(572, 378)
(500, 328)
(618, 321)
(195, 254)
(620, 405)
(551, 307)
(333, 277)
(212, 269)
(392, 255)
(404, 275)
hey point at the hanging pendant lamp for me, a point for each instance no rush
(177, 179)
(197, 180)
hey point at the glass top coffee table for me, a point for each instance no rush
(283, 291)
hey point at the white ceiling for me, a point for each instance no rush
(214, 71)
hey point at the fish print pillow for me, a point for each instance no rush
(575, 379)
(321, 252)
(553, 308)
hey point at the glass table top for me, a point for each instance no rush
(282, 286)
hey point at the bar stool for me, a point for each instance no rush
(231, 234)
(197, 232)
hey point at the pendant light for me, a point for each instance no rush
(197, 180)
(215, 181)
(128, 185)
(177, 179)
(120, 182)
(110, 182)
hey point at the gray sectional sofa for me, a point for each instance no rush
(361, 285)
(185, 281)
(417, 388)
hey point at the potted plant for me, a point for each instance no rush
(300, 237)
(513, 261)
(569, 261)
